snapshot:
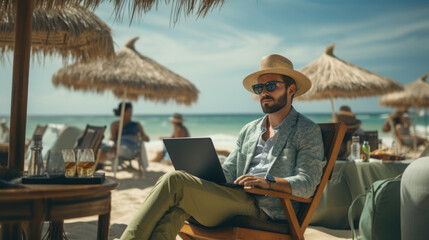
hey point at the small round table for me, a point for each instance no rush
(46, 202)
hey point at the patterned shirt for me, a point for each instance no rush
(260, 163)
(297, 155)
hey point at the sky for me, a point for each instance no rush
(215, 53)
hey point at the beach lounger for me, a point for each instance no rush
(67, 138)
(242, 227)
(91, 139)
(129, 153)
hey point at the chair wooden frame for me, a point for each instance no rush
(138, 157)
(333, 134)
(91, 139)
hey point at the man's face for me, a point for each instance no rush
(274, 101)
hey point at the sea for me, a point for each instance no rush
(222, 128)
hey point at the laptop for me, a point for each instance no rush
(197, 156)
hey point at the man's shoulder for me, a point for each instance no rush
(254, 123)
(251, 127)
(304, 121)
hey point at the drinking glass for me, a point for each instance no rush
(55, 163)
(69, 162)
(86, 165)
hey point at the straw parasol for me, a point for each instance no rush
(187, 7)
(70, 31)
(415, 95)
(24, 10)
(129, 75)
(332, 77)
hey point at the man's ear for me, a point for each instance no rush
(292, 89)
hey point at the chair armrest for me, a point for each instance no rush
(261, 191)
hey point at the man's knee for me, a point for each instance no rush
(174, 178)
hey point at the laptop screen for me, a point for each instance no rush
(196, 156)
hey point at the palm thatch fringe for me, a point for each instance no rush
(186, 7)
(332, 77)
(128, 71)
(69, 31)
(415, 94)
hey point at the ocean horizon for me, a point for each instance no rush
(223, 128)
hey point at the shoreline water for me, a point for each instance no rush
(222, 128)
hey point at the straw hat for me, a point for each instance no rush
(2, 121)
(275, 63)
(177, 118)
(346, 116)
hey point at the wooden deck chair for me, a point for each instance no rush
(242, 227)
(91, 139)
(67, 138)
(140, 156)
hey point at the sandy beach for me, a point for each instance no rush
(132, 192)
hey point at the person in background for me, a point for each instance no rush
(179, 130)
(131, 137)
(346, 116)
(387, 126)
(4, 137)
(400, 122)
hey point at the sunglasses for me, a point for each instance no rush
(270, 86)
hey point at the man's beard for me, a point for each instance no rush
(276, 106)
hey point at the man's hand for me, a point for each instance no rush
(250, 181)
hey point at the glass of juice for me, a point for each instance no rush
(69, 158)
(86, 165)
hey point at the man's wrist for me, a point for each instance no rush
(270, 187)
(271, 181)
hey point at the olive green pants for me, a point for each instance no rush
(177, 196)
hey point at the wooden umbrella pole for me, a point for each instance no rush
(334, 118)
(426, 124)
(121, 124)
(416, 115)
(21, 66)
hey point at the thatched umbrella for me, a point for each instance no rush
(187, 7)
(24, 10)
(70, 31)
(129, 75)
(332, 77)
(415, 95)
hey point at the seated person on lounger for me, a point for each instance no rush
(401, 123)
(179, 130)
(282, 151)
(131, 137)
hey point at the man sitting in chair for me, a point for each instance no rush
(282, 151)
